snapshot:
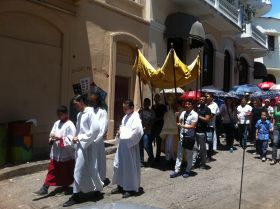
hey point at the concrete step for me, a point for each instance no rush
(32, 167)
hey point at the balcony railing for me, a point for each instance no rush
(254, 33)
(259, 36)
(227, 9)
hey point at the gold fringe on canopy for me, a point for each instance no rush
(164, 76)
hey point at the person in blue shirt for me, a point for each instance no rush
(263, 127)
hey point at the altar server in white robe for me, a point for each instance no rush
(62, 156)
(86, 175)
(127, 158)
(101, 116)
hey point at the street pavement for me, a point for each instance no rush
(216, 188)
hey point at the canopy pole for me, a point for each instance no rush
(201, 70)
(196, 86)
(140, 87)
(241, 182)
(152, 94)
(174, 73)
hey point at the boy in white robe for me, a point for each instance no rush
(101, 116)
(86, 175)
(62, 156)
(127, 158)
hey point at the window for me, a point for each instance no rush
(208, 58)
(271, 42)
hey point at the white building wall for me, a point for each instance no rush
(271, 26)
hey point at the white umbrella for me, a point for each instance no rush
(275, 87)
(170, 91)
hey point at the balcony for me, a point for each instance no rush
(260, 7)
(219, 14)
(259, 36)
(253, 40)
(227, 9)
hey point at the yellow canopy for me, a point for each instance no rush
(164, 76)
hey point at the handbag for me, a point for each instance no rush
(187, 140)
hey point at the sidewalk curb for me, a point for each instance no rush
(33, 167)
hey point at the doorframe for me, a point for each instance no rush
(131, 40)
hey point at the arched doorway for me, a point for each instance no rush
(124, 79)
(208, 62)
(227, 67)
(243, 71)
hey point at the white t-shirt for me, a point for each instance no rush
(214, 111)
(192, 117)
(241, 114)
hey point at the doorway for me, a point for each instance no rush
(227, 67)
(121, 94)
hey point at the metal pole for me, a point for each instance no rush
(139, 77)
(201, 71)
(152, 95)
(141, 99)
(196, 86)
(241, 184)
(174, 73)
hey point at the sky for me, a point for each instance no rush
(275, 11)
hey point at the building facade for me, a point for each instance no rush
(271, 27)
(49, 45)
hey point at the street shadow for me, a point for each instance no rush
(57, 191)
(193, 173)
(206, 167)
(251, 151)
(162, 164)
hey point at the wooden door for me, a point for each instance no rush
(121, 94)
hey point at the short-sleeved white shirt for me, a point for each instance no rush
(192, 118)
(241, 114)
(214, 111)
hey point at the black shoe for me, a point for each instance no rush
(157, 159)
(70, 202)
(117, 190)
(106, 182)
(151, 159)
(68, 190)
(127, 194)
(41, 192)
